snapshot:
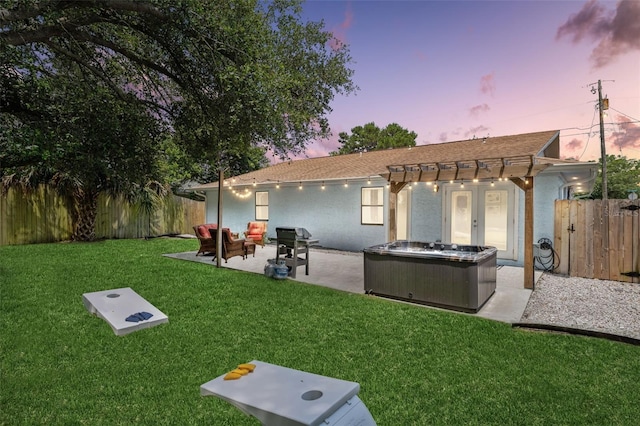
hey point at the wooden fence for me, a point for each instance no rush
(43, 216)
(598, 239)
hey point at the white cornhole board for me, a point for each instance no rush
(282, 396)
(114, 306)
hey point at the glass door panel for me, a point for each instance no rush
(461, 217)
(496, 218)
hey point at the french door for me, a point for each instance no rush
(481, 214)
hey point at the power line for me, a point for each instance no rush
(626, 115)
(589, 138)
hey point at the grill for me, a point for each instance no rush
(292, 243)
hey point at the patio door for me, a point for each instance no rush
(481, 214)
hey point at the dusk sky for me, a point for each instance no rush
(452, 70)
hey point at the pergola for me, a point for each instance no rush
(520, 170)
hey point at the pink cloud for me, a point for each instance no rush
(420, 55)
(616, 32)
(574, 144)
(589, 22)
(487, 84)
(340, 32)
(628, 136)
(478, 109)
(476, 132)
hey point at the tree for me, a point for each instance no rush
(623, 176)
(94, 83)
(82, 146)
(371, 138)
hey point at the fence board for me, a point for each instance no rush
(626, 260)
(589, 255)
(561, 238)
(43, 216)
(606, 241)
(615, 229)
(598, 243)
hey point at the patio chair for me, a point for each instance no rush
(232, 247)
(257, 231)
(205, 236)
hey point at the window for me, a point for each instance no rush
(262, 205)
(372, 206)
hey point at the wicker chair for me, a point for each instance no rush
(205, 234)
(256, 231)
(232, 247)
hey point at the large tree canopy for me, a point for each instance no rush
(250, 70)
(89, 90)
(371, 138)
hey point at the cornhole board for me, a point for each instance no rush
(282, 396)
(114, 306)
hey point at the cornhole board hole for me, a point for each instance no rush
(282, 396)
(115, 306)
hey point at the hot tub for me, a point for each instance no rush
(459, 277)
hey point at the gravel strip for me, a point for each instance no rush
(596, 305)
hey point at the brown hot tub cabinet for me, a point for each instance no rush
(459, 277)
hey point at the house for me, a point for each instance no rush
(496, 191)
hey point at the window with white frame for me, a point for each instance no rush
(372, 206)
(262, 205)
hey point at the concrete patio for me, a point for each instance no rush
(345, 271)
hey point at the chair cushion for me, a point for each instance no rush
(256, 228)
(204, 231)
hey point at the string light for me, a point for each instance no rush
(322, 185)
(300, 186)
(245, 194)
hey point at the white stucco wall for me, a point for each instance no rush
(333, 215)
(426, 213)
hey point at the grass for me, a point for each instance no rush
(415, 366)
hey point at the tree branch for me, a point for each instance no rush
(98, 73)
(38, 8)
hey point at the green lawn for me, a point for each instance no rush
(415, 366)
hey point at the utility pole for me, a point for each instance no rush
(602, 147)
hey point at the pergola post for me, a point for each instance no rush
(527, 187)
(219, 228)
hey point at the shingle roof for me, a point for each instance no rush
(376, 163)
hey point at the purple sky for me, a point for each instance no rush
(449, 70)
